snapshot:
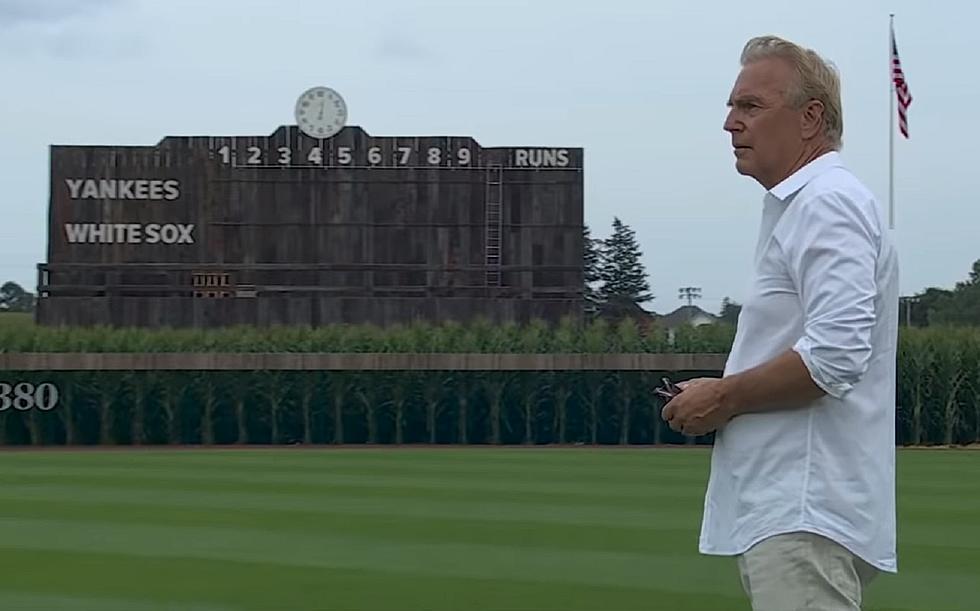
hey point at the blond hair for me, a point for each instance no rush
(817, 79)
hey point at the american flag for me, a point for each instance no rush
(901, 89)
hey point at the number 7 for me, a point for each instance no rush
(405, 151)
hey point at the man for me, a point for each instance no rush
(802, 484)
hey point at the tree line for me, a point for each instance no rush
(937, 306)
(14, 298)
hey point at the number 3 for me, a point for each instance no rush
(5, 396)
(285, 155)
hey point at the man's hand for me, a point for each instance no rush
(700, 409)
(705, 404)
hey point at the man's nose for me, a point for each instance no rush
(731, 125)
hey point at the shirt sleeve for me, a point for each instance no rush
(832, 253)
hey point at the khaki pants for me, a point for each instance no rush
(803, 571)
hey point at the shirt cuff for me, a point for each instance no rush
(804, 347)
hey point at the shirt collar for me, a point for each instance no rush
(798, 179)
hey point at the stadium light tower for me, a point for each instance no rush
(690, 293)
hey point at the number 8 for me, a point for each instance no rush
(435, 156)
(23, 397)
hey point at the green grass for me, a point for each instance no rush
(16, 319)
(434, 530)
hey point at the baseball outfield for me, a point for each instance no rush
(440, 529)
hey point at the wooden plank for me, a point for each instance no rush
(367, 361)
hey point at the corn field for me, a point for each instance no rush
(481, 336)
(938, 390)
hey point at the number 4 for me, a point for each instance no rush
(315, 156)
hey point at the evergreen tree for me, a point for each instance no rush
(730, 311)
(621, 272)
(593, 258)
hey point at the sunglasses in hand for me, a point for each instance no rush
(669, 390)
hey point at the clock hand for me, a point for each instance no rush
(322, 104)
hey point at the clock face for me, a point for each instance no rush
(320, 112)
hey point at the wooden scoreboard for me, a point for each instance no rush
(294, 229)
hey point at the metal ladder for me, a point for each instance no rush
(494, 223)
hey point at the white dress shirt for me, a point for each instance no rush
(825, 284)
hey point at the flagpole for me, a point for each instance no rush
(891, 126)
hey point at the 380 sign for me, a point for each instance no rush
(24, 396)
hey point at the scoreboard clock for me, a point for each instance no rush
(320, 112)
(318, 222)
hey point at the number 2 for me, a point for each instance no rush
(255, 155)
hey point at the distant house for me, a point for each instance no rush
(687, 315)
(616, 310)
(690, 315)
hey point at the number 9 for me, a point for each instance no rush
(464, 156)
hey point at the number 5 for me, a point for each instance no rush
(343, 155)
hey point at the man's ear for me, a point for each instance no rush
(811, 121)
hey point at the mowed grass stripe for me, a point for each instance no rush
(533, 534)
(30, 601)
(451, 485)
(245, 586)
(329, 551)
(378, 504)
(555, 465)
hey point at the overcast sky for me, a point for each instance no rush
(640, 85)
